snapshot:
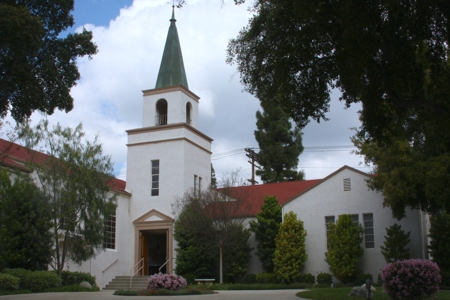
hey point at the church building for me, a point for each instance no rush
(168, 155)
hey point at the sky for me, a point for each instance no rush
(130, 35)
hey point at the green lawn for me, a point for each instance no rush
(342, 294)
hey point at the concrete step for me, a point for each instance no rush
(123, 283)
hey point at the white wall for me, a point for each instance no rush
(329, 199)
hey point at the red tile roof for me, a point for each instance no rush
(254, 194)
(15, 156)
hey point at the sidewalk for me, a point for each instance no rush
(108, 295)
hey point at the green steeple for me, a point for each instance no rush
(171, 71)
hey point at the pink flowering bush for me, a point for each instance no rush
(166, 281)
(413, 279)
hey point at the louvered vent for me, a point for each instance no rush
(347, 185)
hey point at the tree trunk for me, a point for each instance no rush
(221, 264)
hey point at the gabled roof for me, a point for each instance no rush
(15, 156)
(171, 70)
(285, 192)
(254, 194)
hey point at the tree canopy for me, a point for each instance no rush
(25, 223)
(209, 220)
(390, 56)
(38, 64)
(280, 146)
(75, 179)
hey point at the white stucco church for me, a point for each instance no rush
(168, 155)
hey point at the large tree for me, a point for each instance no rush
(25, 237)
(266, 227)
(214, 220)
(440, 240)
(75, 179)
(390, 56)
(279, 145)
(38, 61)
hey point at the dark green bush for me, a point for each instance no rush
(361, 278)
(308, 278)
(41, 280)
(22, 274)
(71, 278)
(445, 278)
(9, 282)
(324, 278)
(267, 278)
(190, 278)
(250, 279)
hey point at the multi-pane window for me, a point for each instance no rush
(110, 232)
(155, 177)
(355, 219)
(347, 185)
(329, 220)
(368, 231)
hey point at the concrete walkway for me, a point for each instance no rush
(108, 295)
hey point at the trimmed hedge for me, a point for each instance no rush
(71, 278)
(324, 278)
(41, 280)
(267, 278)
(308, 278)
(22, 274)
(8, 282)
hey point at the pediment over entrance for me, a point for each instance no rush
(153, 216)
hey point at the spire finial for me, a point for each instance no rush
(173, 13)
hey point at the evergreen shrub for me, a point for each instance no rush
(324, 278)
(8, 282)
(190, 278)
(361, 278)
(71, 278)
(413, 279)
(22, 274)
(308, 278)
(250, 279)
(41, 280)
(267, 278)
(166, 281)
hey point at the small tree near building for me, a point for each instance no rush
(215, 222)
(74, 178)
(395, 242)
(266, 228)
(344, 248)
(440, 240)
(25, 237)
(290, 254)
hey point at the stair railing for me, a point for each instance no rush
(164, 264)
(138, 270)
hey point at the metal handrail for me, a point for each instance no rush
(131, 271)
(110, 266)
(161, 120)
(164, 264)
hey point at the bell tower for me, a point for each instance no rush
(168, 155)
(171, 101)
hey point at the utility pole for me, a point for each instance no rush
(253, 156)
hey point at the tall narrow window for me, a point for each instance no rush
(355, 219)
(155, 177)
(347, 185)
(328, 220)
(195, 185)
(110, 232)
(199, 186)
(368, 231)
